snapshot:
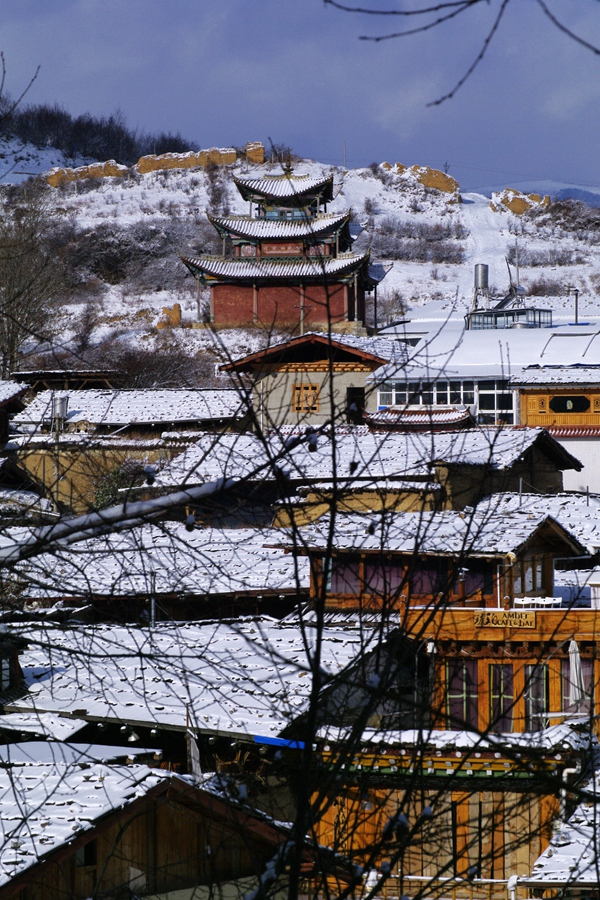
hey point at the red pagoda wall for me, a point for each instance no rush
(232, 305)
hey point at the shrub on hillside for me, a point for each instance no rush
(555, 256)
(419, 241)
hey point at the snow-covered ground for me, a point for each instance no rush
(129, 315)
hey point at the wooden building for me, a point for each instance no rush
(465, 746)
(565, 399)
(288, 263)
(313, 378)
(137, 832)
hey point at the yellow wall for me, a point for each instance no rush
(535, 407)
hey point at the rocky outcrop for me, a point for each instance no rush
(433, 178)
(516, 202)
(170, 318)
(109, 169)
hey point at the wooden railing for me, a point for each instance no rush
(444, 888)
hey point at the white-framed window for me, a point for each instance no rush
(492, 398)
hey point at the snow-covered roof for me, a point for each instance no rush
(565, 376)
(45, 806)
(249, 226)
(359, 455)
(572, 857)
(380, 348)
(426, 417)
(30, 753)
(249, 678)
(282, 186)
(302, 267)
(112, 407)
(10, 390)
(578, 513)
(58, 728)
(447, 351)
(446, 533)
(167, 559)
(556, 737)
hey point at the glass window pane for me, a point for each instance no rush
(501, 697)
(383, 578)
(536, 697)
(344, 578)
(487, 401)
(461, 694)
(487, 385)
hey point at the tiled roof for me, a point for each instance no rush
(279, 228)
(422, 417)
(218, 267)
(578, 513)
(46, 806)
(111, 407)
(360, 455)
(575, 431)
(243, 678)
(572, 858)
(446, 533)
(169, 560)
(10, 390)
(281, 187)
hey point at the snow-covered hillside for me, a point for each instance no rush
(126, 309)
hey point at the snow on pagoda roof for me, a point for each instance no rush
(247, 226)
(283, 186)
(167, 560)
(247, 678)
(565, 376)
(360, 455)
(113, 407)
(218, 267)
(446, 533)
(48, 805)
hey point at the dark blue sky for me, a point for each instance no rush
(225, 71)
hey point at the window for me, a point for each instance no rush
(5, 674)
(536, 697)
(383, 578)
(461, 694)
(438, 393)
(478, 576)
(86, 856)
(305, 398)
(428, 577)
(501, 697)
(344, 578)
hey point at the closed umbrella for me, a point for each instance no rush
(576, 686)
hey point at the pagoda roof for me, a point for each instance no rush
(218, 268)
(287, 186)
(247, 226)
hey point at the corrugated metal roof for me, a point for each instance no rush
(282, 186)
(219, 267)
(248, 226)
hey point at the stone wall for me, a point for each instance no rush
(109, 169)
(255, 153)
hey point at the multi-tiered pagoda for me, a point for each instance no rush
(287, 263)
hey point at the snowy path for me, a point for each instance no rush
(488, 238)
